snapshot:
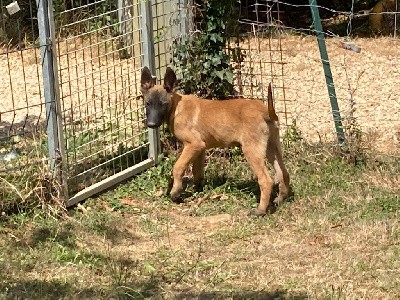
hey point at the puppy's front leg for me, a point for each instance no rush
(189, 152)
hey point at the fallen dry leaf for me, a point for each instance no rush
(106, 206)
(219, 196)
(127, 201)
(201, 199)
(159, 192)
(81, 208)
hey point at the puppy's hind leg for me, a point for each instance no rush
(274, 155)
(256, 159)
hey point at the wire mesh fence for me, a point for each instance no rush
(101, 49)
(167, 24)
(366, 81)
(99, 70)
(23, 143)
(99, 58)
(263, 62)
(280, 43)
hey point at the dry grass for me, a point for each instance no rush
(26, 180)
(338, 238)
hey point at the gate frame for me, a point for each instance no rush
(149, 60)
(55, 134)
(154, 140)
(56, 140)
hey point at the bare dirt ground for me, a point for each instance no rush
(370, 79)
(93, 81)
(367, 85)
(93, 78)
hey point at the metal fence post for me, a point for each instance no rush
(183, 20)
(149, 61)
(125, 8)
(50, 87)
(327, 70)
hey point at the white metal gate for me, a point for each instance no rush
(98, 114)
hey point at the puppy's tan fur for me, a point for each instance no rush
(202, 124)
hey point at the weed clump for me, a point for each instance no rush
(26, 181)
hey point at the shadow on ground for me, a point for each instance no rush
(246, 186)
(39, 289)
(239, 295)
(54, 289)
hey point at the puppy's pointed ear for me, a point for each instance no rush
(146, 81)
(169, 80)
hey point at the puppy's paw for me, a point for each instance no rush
(255, 212)
(176, 197)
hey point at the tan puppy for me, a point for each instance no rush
(202, 124)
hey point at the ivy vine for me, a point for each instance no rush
(201, 60)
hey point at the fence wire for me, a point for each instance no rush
(282, 47)
(100, 57)
(170, 21)
(23, 139)
(366, 82)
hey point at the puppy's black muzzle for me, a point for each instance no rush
(152, 125)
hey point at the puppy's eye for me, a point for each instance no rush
(147, 104)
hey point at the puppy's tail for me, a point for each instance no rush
(271, 110)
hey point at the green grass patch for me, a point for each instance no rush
(340, 225)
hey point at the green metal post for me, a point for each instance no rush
(327, 70)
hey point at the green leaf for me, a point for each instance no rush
(213, 38)
(216, 60)
(149, 268)
(229, 77)
(220, 74)
(211, 26)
